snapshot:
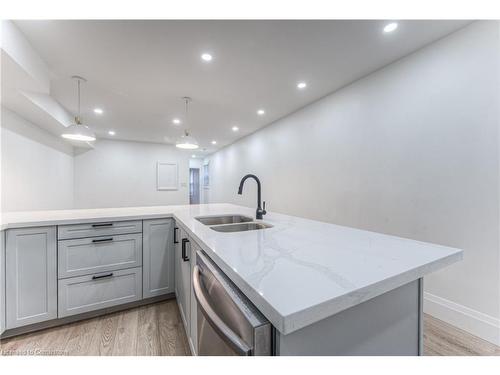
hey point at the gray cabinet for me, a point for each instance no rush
(2, 282)
(31, 276)
(183, 278)
(158, 257)
(193, 336)
(93, 292)
(177, 254)
(108, 228)
(86, 256)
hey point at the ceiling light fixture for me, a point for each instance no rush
(214, 142)
(261, 112)
(176, 121)
(206, 57)
(390, 27)
(301, 85)
(186, 141)
(98, 111)
(78, 131)
(235, 128)
(193, 156)
(111, 132)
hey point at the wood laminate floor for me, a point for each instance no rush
(441, 338)
(154, 329)
(157, 330)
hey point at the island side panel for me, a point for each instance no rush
(389, 324)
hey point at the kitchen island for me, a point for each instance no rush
(326, 289)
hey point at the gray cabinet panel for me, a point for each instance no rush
(193, 338)
(86, 293)
(183, 281)
(177, 255)
(99, 254)
(31, 276)
(2, 282)
(158, 256)
(388, 324)
(108, 228)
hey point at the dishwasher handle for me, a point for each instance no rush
(226, 333)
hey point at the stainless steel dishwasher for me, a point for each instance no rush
(228, 323)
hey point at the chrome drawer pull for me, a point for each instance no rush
(102, 276)
(102, 225)
(103, 240)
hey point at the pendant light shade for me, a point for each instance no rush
(187, 142)
(78, 131)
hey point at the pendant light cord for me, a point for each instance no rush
(78, 81)
(187, 103)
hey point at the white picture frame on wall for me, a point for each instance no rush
(167, 176)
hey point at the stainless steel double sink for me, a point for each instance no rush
(232, 223)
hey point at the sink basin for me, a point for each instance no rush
(224, 219)
(243, 227)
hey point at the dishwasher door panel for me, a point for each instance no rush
(227, 323)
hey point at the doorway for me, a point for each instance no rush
(194, 185)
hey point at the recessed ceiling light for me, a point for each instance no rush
(98, 111)
(301, 85)
(214, 142)
(261, 112)
(206, 57)
(176, 121)
(390, 27)
(193, 156)
(235, 128)
(111, 132)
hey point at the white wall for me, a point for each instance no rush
(411, 150)
(37, 167)
(120, 174)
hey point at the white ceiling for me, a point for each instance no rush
(137, 71)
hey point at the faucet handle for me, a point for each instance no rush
(264, 207)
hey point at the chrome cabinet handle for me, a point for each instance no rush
(227, 334)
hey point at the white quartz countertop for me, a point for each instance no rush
(297, 272)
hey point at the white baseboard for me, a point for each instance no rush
(472, 321)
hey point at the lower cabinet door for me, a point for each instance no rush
(2, 282)
(158, 257)
(87, 293)
(31, 276)
(193, 337)
(177, 259)
(184, 281)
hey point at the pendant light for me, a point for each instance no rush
(186, 141)
(78, 131)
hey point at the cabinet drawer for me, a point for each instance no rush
(98, 229)
(86, 256)
(87, 293)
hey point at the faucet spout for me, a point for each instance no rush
(260, 211)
